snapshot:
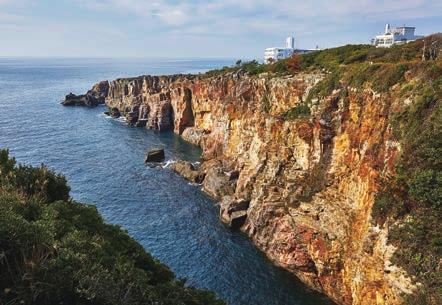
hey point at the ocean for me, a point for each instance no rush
(102, 159)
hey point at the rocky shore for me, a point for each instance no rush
(92, 98)
(302, 187)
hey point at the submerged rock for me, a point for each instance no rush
(156, 155)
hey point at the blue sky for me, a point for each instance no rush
(198, 28)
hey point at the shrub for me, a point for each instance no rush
(412, 198)
(41, 183)
(62, 252)
(300, 111)
(426, 186)
(294, 63)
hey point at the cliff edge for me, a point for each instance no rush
(318, 164)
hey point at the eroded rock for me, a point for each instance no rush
(233, 212)
(188, 171)
(194, 135)
(92, 98)
(113, 112)
(309, 183)
(155, 155)
(216, 182)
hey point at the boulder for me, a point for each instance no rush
(156, 155)
(216, 183)
(193, 135)
(188, 171)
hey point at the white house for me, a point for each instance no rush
(393, 36)
(277, 53)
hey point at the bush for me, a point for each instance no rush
(300, 111)
(294, 63)
(426, 186)
(57, 251)
(411, 200)
(325, 87)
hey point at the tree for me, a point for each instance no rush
(294, 63)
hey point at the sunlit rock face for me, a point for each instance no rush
(302, 189)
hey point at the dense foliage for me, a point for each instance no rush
(56, 251)
(412, 199)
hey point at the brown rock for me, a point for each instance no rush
(188, 171)
(92, 98)
(194, 135)
(311, 182)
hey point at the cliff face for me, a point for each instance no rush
(302, 187)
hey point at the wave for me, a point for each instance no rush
(168, 163)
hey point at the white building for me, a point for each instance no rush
(277, 53)
(393, 36)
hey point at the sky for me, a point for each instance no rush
(199, 28)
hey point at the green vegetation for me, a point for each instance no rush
(56, 251)
(411, 200)
(251, 67)
(265, 103)
(297, 112)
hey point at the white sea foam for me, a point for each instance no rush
(121, 119)
(168, 163)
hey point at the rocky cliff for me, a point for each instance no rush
(301, 187)
(318, 168)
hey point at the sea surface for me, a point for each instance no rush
(103, 161)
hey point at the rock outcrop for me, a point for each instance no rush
(188, 171)
(155, 155)
(92, 98)
(302, 189)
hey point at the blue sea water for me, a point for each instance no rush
(103, 161)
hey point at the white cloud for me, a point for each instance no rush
(216, 16)
(234, 26)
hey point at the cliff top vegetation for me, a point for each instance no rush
(410, 200)
(332, 59)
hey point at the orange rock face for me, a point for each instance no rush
(309, 183)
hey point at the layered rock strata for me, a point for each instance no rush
(302, 189)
